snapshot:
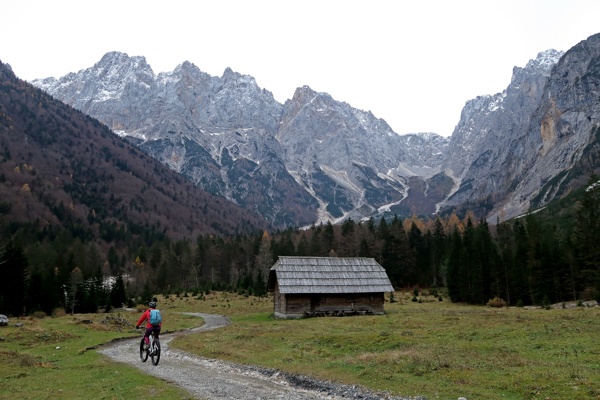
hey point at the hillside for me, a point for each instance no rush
(62, 168)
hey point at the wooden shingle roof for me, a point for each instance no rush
(328, 275)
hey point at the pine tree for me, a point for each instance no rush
(587, 236)
(303, 248)
(437, 250)
(453, 277)
(364, 249)
(118, 295)
(503, 286)
(35, 292)
(470, 283)
(397, 257)
(13, 269)
(486, 257)
(260, 286)
(520, 273)
(328, 238)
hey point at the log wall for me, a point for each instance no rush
(306, 305)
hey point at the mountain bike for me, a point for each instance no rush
(153, 351)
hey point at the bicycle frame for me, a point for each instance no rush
(153, 351)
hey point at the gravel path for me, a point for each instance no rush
(219, 380)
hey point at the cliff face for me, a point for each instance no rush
(488, 139)
(562, 138)
(524, 146)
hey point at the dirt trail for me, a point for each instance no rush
(215, 380)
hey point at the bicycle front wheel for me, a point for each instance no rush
(143, 351)
(155, 355)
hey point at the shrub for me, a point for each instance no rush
(59, 312)
(39, 314)
(496, 302)
(546, 303)
(520, 303)
(588, 294)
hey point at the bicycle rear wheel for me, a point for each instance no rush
(155, 355)
(143, 351)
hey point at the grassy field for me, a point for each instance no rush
(435, 349)
(53, 358)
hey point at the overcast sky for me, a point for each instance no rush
(411, 63)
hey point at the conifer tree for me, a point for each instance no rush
(303, 247)
(13, 269)
(118, 295)
(437, 251)
(503, 286)
(587, 235)
(454, 267)
(486, 256)
(520, 273)
(467, 267)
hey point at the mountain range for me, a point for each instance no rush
(62, 168)
(314, 158)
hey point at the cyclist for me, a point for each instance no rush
(149, 327)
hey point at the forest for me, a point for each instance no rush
(537, 259)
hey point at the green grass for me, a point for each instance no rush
(53, 358)
(436, 349)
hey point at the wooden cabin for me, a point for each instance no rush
(320, 286)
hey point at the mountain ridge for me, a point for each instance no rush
(314, 158)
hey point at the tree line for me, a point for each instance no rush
(531, 260)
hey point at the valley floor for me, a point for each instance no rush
(214, 379)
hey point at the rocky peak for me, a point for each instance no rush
(6, 71)
(186, 68)
(117, 66)
(316, 124)
(303, 94)
(540, 66)
(229, 74)
(544, 61)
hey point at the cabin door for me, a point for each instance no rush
(315, 303)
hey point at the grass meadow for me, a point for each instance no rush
(430, 348)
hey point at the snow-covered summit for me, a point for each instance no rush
(545, 59)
